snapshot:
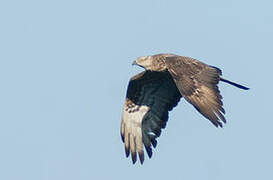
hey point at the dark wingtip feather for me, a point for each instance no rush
(149, 151)
(127, 152)
(147, 145)
(133, 155)
(141, 157)
(222, 110)
(220, 124)
(154, 142)
(122, 137)
(221, 116)
(216, 123)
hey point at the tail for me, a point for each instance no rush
(234, 84)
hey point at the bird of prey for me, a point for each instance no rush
(154, 92)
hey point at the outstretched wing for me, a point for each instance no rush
(150, 95)
(197, 82)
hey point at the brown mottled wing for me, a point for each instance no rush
(150, 95)
(197, 82)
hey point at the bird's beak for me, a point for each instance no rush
(134, 63)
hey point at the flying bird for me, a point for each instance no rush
(154, 92)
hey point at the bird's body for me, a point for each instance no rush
(154, 92)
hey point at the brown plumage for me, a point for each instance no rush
(154, 92)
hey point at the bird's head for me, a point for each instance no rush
(152, 63)
(144, 62)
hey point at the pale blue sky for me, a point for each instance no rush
(64, 69)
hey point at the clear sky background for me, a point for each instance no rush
(64, 70)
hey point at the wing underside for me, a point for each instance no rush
(150, 96)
